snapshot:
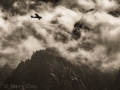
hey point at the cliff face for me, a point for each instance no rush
(48, 71)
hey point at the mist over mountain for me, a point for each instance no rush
(84, 33)
(49, 71)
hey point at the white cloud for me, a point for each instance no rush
(106, 4)
(20, 35)
(86, 4)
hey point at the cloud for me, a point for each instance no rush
(7, 3)
(97, 45)
(106, 4)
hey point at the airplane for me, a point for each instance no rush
(36, 16)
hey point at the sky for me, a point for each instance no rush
(95, 44)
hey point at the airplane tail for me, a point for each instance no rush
(40, 18)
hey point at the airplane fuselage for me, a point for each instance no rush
(36, 16)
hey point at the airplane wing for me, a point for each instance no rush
(37, 15)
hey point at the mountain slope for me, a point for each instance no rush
(48, 71)
(4, 73)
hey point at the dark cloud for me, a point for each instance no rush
(72, 49)
(52, 1)
(87, 46)
(78, 27)
(115, 13)
(7, 3)
(61, 37)
(76, 34)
